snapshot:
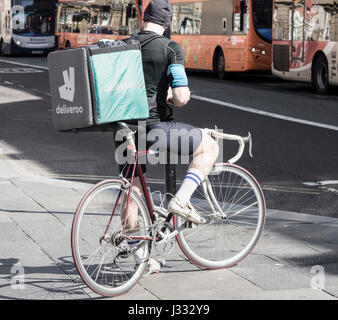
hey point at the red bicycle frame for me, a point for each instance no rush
(136, 167)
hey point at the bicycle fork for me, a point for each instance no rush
(210, 196)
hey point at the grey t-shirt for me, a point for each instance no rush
(157, 55)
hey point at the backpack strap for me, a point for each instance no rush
(143, 43)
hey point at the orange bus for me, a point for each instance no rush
(224, 35)
(216, 35)
(85, 22)
(305, 42)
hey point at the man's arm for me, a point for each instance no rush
(179, 96)
(179, 93)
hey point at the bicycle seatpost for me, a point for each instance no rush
(131, 143)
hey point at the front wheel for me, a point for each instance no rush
(233, 205)
(103, 255)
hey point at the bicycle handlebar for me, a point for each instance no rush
(241, 141)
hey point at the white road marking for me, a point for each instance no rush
(321, 183)
(265, 113)
(19, 70)
(24, 64)
(324, 185)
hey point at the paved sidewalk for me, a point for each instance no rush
(296, 253)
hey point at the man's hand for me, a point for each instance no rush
(170, 96)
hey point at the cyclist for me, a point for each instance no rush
(167, 86)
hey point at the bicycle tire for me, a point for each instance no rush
(108, 275)
(236, 191)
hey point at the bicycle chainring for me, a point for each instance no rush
(162, 245)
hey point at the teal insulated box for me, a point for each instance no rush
(119, 86)
(93, 86)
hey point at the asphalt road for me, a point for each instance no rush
(295, 133)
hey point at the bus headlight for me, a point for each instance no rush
(263, 52)
(18, 42)
(253, 49)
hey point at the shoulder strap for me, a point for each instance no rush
(142, 43)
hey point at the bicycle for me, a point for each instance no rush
(230, 199)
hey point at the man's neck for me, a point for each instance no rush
(149, 26)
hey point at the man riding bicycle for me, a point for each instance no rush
(167, 87)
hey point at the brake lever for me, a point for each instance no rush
(248, 139)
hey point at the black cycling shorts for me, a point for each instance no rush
(180, 140)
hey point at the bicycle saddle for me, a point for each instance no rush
(124, 128)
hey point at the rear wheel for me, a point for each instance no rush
(102, 254)
(3, 52)
(320, 75)
(219, 64)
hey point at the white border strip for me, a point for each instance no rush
(23, 64)
(265, 113)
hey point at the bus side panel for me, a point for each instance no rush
(83, 23)
(199, 51)
(201, 28)
(235, 53)
(218, 31)
(301, 70)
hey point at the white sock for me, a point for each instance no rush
(190, 183)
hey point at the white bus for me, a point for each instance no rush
(305, 41)
(27, 26)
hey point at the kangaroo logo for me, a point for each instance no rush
(67, 91)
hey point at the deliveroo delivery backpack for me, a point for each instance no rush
(96, 85)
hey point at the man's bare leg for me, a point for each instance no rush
(201, 165)
(130, 219)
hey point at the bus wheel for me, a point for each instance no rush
(320, 75)
(219, 64)
(67, 46)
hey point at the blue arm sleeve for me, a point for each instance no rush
(177, 76)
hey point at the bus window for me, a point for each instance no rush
(239, 16)
(32, 18)
(281, 19)
(95, 19)
(186, 18)
(262, 18)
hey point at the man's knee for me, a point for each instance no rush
(209, 144)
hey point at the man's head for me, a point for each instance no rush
(158, 12)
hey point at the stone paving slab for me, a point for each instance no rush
(37, 215)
